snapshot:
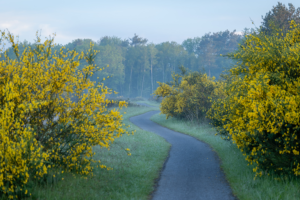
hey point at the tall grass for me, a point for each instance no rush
(132, 177)
(233, 163)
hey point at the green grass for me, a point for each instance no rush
(150, 103)
(238, 173)
(132, 177)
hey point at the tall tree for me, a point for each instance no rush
(112, 56)
(168, 56)
(136, 40)
(279, 18)
(136, 64)
(145, 63)
(152, 51)
(191, 45)
(107, 40)
(210, 48)
(207, 51)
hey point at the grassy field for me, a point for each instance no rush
(132, 177)
(238, 173)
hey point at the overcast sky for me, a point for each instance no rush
(156, 20)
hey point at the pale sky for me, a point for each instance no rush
(156, 20)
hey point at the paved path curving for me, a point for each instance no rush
(192, 170)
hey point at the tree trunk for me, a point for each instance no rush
(151, 77)
(121, 88)
(130, 81)
(143, 82)
(163, 73)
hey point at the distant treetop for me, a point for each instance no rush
(279, 18)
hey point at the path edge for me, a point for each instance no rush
(215, 152)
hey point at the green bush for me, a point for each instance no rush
(189, 95)
(262, 110)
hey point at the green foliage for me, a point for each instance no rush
(205, 52)
(42, 129)
(237, 170)
(218, 113)
(189, 95)
(261, 111)
(279, 18)
(135, 66)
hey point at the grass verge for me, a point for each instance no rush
(132, 177)
(238, 173)
(150, 103)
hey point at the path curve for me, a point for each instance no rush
(192, 170)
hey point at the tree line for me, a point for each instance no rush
(135, 65)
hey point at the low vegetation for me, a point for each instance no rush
(189, 95)
(256, 106)
(255, 110)
(238, 172)
(262, 108)
(130, 177)
(56, 123)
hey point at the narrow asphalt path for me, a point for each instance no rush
(192, 170)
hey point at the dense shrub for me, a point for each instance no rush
(34, 89)
(262, 111)
(218, 112)
(189, 95)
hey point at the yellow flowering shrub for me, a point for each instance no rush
(41, 127)
(262, 110)
(20, 153)
(188, 95)
(218, 112)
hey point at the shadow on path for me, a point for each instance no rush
(192, 170)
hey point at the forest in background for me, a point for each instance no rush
(135, 65)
